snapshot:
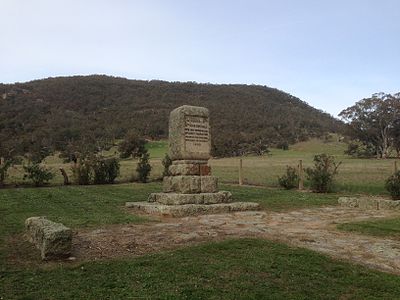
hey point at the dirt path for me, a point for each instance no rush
(314, 229)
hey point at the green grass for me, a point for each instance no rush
(75, 206)
(356, 176)
(386, 228)
(79, 206)
(234, 269)
(83, 206)
(157, 149)
(277, 199)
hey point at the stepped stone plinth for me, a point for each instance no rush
(190, 189)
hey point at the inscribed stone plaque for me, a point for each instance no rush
(189, 133)
(196, 134)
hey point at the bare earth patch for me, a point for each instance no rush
(313, 228)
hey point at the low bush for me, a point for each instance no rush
(82, 172)
(143, 168)
(38, 174)
(322, 174)
(105, 170)
(290, 179)
(392, 185)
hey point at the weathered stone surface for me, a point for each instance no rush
(389, 204)
(189, 133)
(52, 239)
(205, 170)
(348, 201)
(209, 184)
(180, 199)
(190, 161)
(175, 198)
(182, 184)
(369, 203)
(220, 197)
(184, 169)
(191, 209)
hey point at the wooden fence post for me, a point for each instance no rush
(395, 166)
(301, 175)
(240, 172)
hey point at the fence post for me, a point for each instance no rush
(301, 175)
(240, 172)
(395, 166)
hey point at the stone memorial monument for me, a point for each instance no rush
(190, 189)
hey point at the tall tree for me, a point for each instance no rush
(372, 121)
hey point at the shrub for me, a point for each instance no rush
(105, 170)
(82, 171)
(166, 163)
(358, 150)
(392, 185)
(322, 175)
(37, 173)
(143, 168)
(289, 180)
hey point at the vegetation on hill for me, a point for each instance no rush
(93, 111)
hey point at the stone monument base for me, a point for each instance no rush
(190, 209)
(181, 205)
(180, 199)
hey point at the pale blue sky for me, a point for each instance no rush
(328, 53)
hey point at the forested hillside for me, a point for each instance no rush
(56, 112)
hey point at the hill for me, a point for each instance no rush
(55, 112)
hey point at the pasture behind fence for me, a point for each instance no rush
(354, 175)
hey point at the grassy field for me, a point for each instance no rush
(233, 269)
(81, 206)
(389, 227)
(90, 206)
(364, 176)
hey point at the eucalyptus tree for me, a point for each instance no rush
(375, 121)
